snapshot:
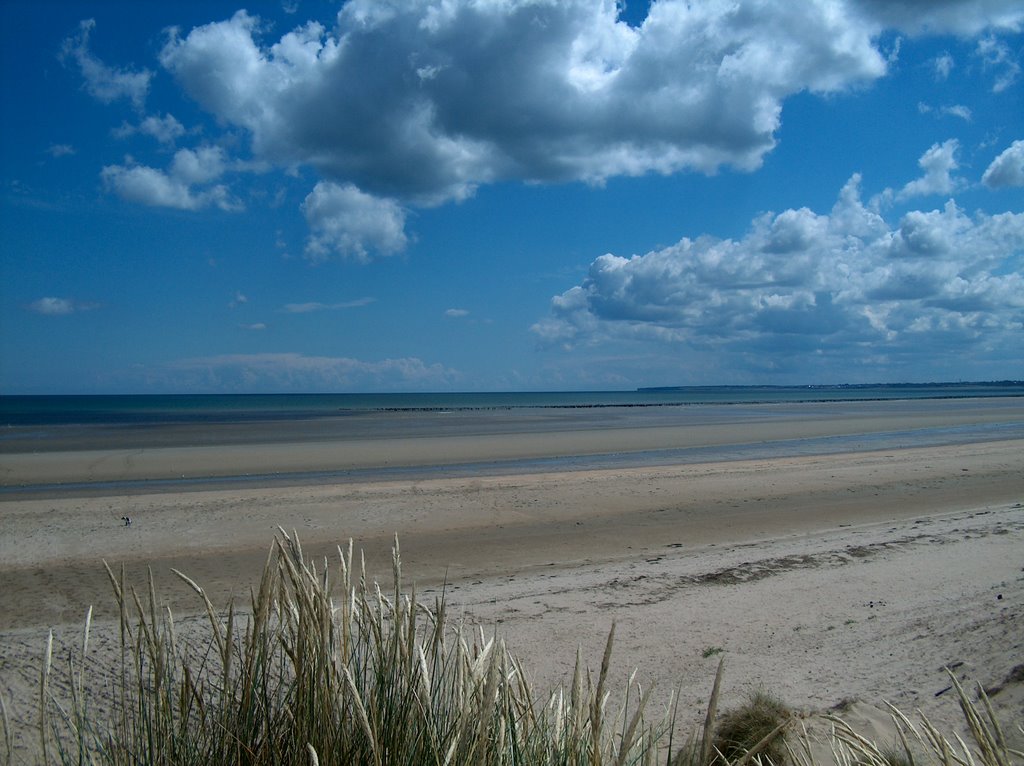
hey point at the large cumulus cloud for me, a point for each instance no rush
(418, 102)
(425, 101)
(846, 284)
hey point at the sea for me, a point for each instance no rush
(142, 409)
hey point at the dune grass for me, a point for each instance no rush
(762, 718)
(369, 678)
(324, 667)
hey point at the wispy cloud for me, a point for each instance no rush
(60, 150)
(950, 110)
(306, 308)
(456, 313)
(104, 83)
(942, 66)
(997, 56)
(287, 372)
(51, 306)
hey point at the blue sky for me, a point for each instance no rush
(508, 194)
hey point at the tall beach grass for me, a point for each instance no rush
(333, 670)
(325, 667)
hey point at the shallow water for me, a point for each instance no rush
(604, 437)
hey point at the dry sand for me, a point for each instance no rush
(822, 578)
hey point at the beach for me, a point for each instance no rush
(829, 552)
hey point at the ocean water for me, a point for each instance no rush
(237, 408)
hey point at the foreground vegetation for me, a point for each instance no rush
(322, 672)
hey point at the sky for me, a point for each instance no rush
(504, 195)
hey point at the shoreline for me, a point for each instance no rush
(474, 445)
(513, 466)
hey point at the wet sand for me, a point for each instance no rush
(850, 573)
(375, 443)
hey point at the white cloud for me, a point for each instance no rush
(198, 166)
(148, 186)
(952, 110)
(51, 306)
(104, 83)
(1007, 169)
(996, 55)
(409, 103)
(957, 110)
(176, 187)
(959, 17)
(417, 103)
(256, 326)
(306, 308)
(298, 372)
(350, 223)
(942, 66)
(802, 289)
(164, 129)
(938, 164)
(456, 313)
(60, 150)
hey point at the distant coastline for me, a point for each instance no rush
(142, 409)
(958, 384)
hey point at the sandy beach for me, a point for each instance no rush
(830, 571)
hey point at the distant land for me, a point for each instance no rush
(958, 384)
